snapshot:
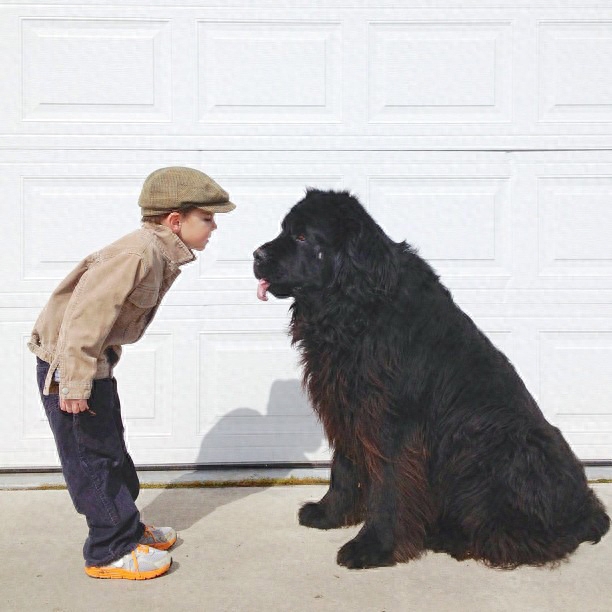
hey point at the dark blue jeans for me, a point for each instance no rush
(98, 470)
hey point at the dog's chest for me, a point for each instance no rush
(340, 393)
(330, 372)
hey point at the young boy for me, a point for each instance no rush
(109, 300)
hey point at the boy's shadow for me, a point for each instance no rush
(289, 421)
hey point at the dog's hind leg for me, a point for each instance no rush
(537, 510)
(342, 505)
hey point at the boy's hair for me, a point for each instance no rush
(158, 219)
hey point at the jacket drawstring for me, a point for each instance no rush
(48, 380)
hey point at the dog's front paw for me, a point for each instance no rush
(314, 515)
(362, 552)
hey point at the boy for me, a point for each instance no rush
(109, 300)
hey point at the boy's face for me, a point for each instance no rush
(195, 229)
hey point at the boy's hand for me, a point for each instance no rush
(74, 406)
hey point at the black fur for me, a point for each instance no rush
(437, 444)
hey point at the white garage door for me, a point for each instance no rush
(482, 136)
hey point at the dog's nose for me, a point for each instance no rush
(259, 255)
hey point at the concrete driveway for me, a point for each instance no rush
(242, 549)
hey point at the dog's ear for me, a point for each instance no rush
(368, 262)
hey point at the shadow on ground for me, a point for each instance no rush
(288, 428)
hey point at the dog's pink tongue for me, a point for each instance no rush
(262, 289)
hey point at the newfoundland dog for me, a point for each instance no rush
(437, 443)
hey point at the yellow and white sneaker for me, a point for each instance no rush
(140, 564)
(161, 538)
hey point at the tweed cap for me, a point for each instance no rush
(176, 187)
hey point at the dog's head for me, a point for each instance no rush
(327, 241)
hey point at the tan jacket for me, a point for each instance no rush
(108, 300)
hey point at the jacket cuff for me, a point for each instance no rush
(68, 390)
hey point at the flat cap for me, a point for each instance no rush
(177, 187)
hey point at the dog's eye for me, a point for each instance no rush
(300, 237)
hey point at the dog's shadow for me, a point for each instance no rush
(289, 422)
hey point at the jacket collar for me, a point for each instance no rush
(173, 248)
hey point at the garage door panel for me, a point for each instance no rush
(273, 388)
(536, 226)
(54, 209)
(440, 72)
(574, 370)
(575, 220)
(33, 426)
(147, 384)
(193, 72)
(237, 452)
(461, 225)
(219, 390)
(269, 72)
(575, 73)
(25, 431)
(96, 70)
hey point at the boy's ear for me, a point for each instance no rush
(173, 221)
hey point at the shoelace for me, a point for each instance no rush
(135, 560)
(142, 548)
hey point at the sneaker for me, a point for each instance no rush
(140, 564)
(161, 538)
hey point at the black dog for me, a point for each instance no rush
(437, 444)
